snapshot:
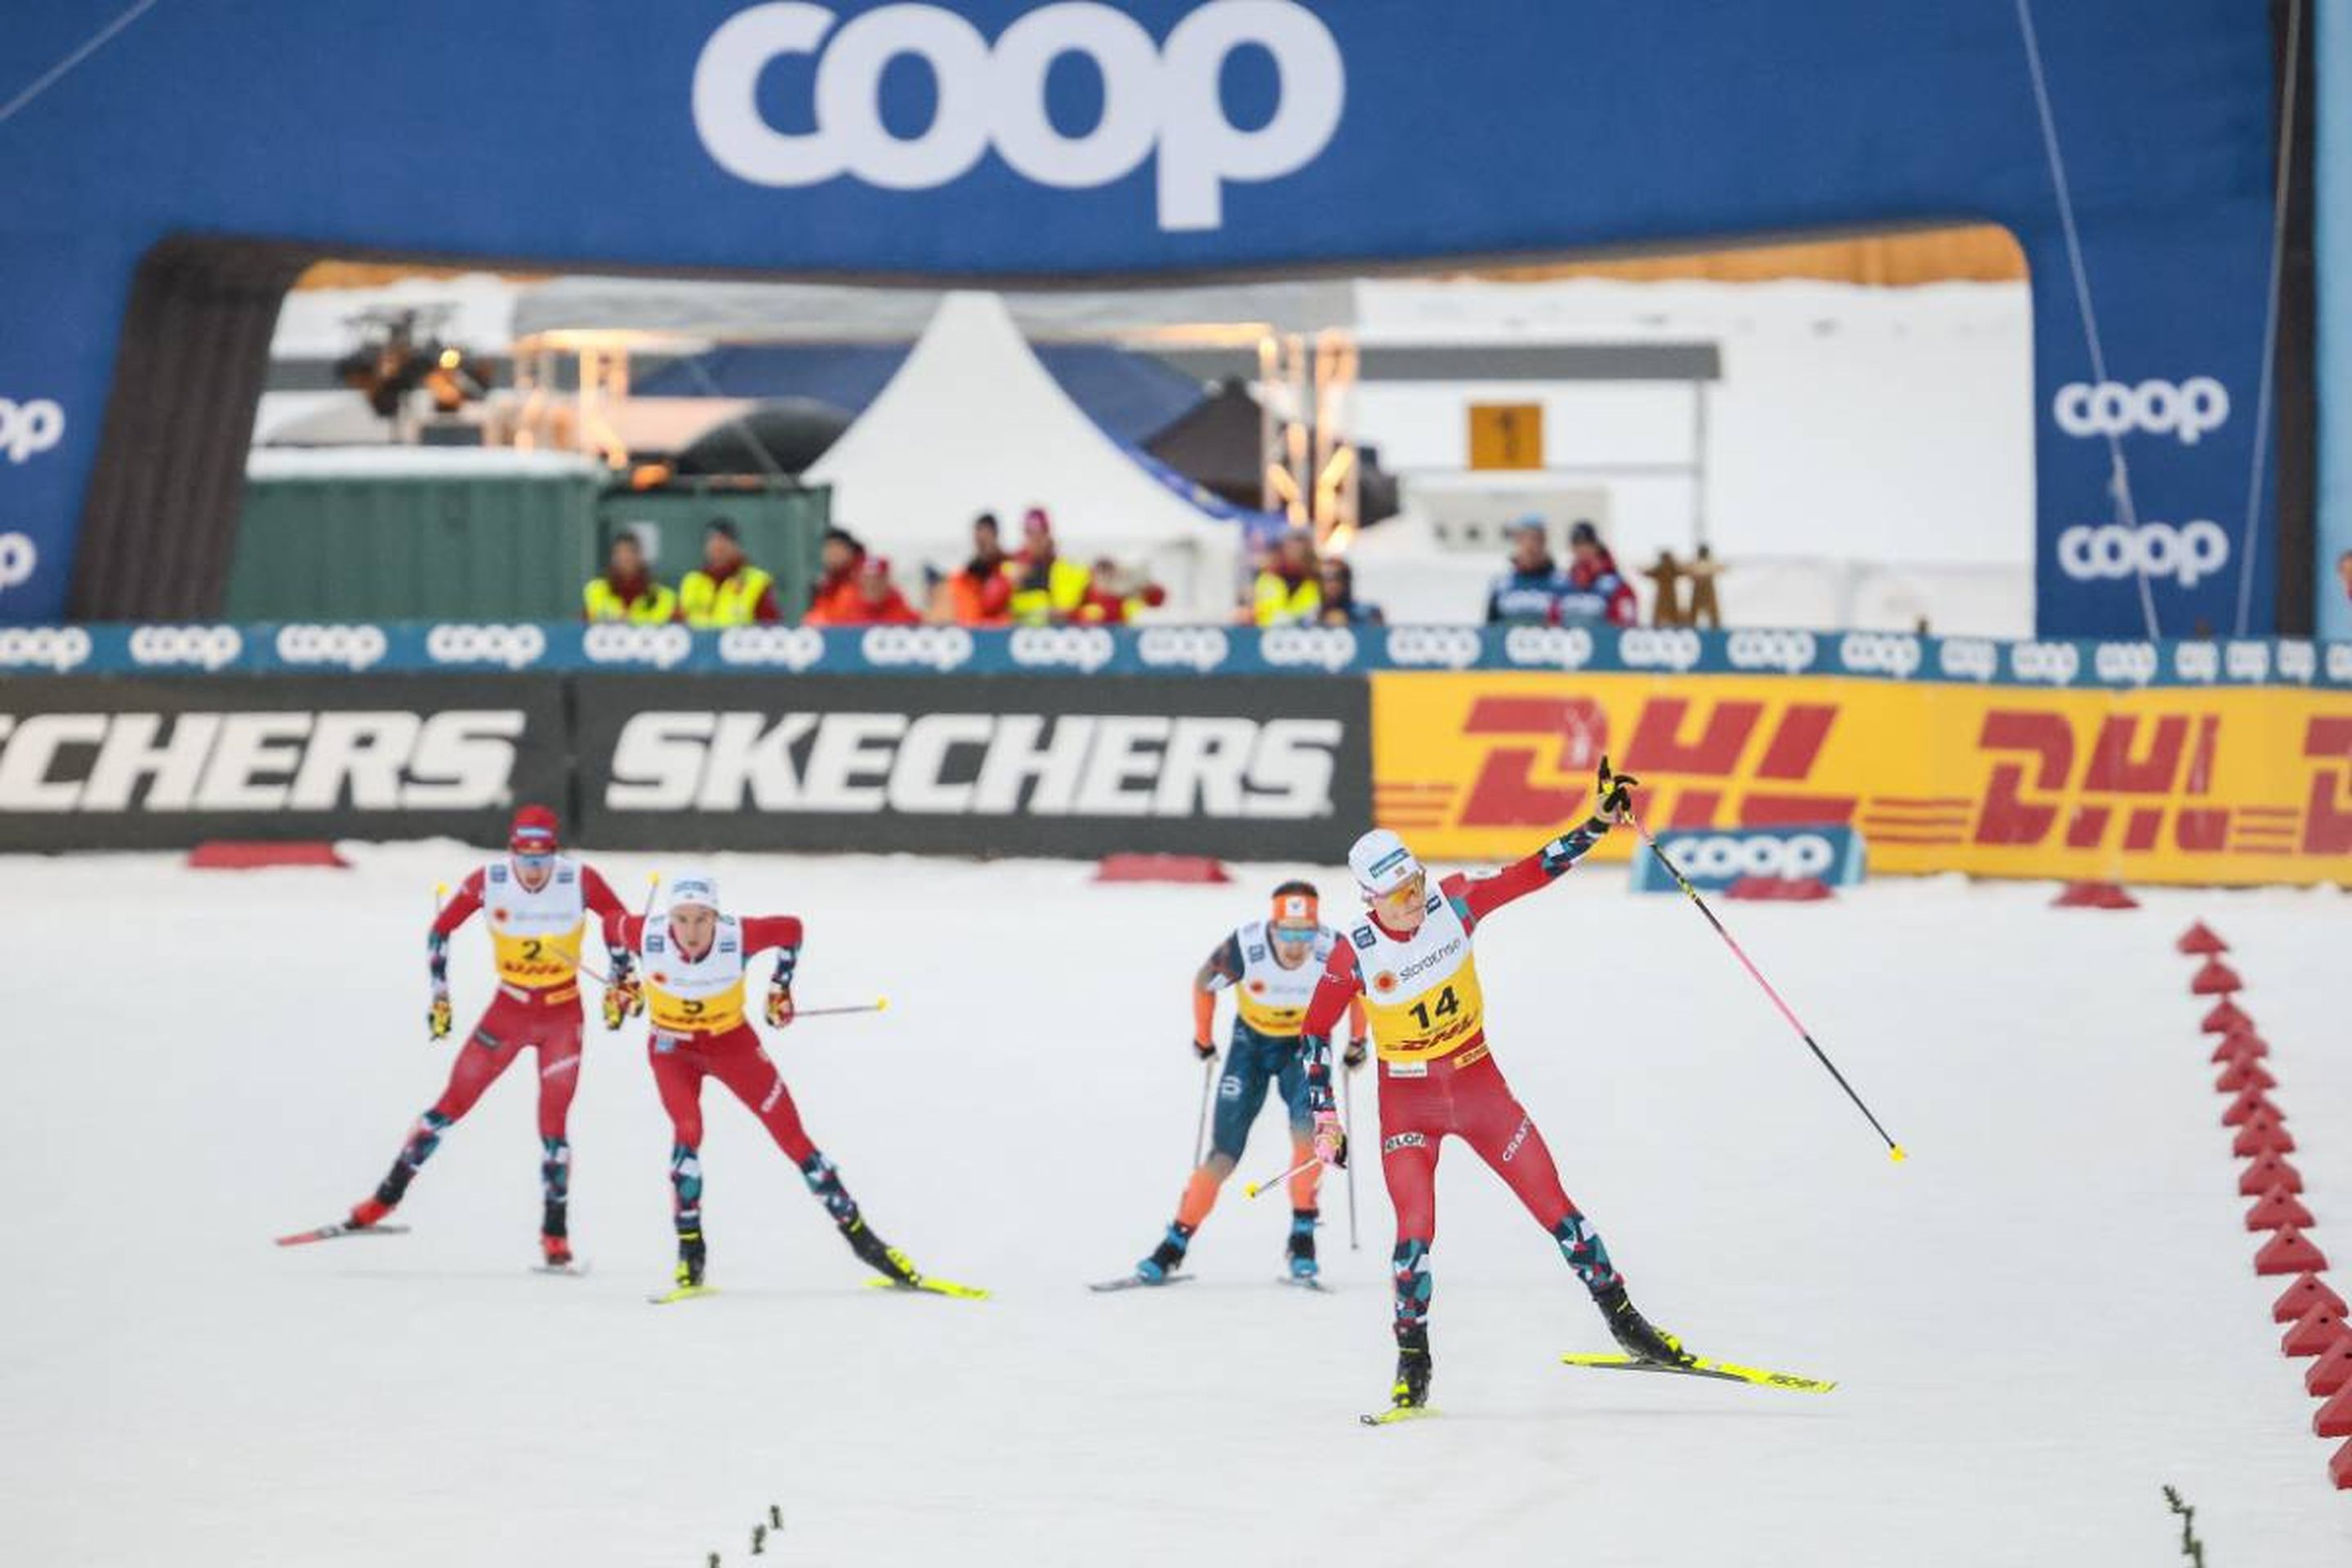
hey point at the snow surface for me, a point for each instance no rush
(2042, 1318)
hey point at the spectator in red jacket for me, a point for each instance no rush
(835, 600)
(877, 601)
(1592, 589)
(1112, 601)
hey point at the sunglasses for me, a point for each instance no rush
(1294, 933)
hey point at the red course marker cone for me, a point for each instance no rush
(2224, 1018)
(2243, 1047)
(2261, 1135)
(2313, 1334)
(2332, 1372)
(2277, 1208)
(2093, 896)
(2199, 939)
(2334, 1419)
(2248, 1106)
(2240, 1076)
(2340, 1468)
(2301, 1297)
(2215, 978)
(2268, 1172)
(2289, 1251)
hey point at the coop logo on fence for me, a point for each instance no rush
(56, 648)
(1650, 648)
(1441, 648)
(200, 647)
(1332, 648)
(976, 765)
(1791, 653)
(2297, 661)
(618, 643)
(352, 648)
(1164, 99)
(2125, 663)
(2046, 663)
(2185, 411)
(1898, 654)
(515, 646)
(2339, 663)
(1201, 649)
(925, 647)
(2196, 663)
(1967, 659)
(1086, 649)
(2186, 554)
(2246, 661)
(1716, 861)
(795, 649)
(30, 427)
(1548, 648)
(18, 559)
(287, 759)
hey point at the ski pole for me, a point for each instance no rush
(1894, 1150)
(1255, 1188)
(1348, 1128)
(880, 1004)
(1200, 1138)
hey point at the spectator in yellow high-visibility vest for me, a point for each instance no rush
(627, 591)
(1047, 589)
(728, 590)
(1289, 591)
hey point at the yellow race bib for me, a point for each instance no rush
(537, 962)
(713, 1015)
(1425, 1025)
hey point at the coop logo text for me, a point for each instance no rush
(2186, 411)
(1161, 100)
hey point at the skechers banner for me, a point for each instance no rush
(1713, 861)
(1079, 140)
(121, 764)
(1256, 768)
(2162, 784)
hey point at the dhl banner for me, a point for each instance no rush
(2218, 785)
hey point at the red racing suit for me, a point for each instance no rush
(1437, 1072)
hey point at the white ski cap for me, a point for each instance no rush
(693, 888)
(1382, 862)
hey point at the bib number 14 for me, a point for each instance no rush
(1426, 1014)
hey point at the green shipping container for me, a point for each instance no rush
(512, 546)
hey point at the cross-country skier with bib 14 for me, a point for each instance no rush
(1271, 966)
(692, 970)
(537, 904)
(1410, 961)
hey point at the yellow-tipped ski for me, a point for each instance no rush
(1728, 1371)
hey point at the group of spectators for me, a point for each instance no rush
(1034, 586)
(1292, 586)
(1538, 589)
(1037, 586)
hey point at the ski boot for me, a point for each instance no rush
(880, 1256)
(1635, 1334)
(370, 1212)
(690, 1260)
(1300, 1252)
(1167, 1258)
(555, 1251)
(1410, 1391)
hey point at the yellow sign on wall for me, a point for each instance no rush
(1506, 435)
(2194, 785)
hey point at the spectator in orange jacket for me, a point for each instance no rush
(980, 592)
(835, 596)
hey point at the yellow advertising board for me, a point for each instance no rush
(1506, 435)
(2166, 784)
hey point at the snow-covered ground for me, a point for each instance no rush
(2042, 1318)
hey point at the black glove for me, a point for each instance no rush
(1204, 1050)
(1616, 794)
(1353, 1057)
